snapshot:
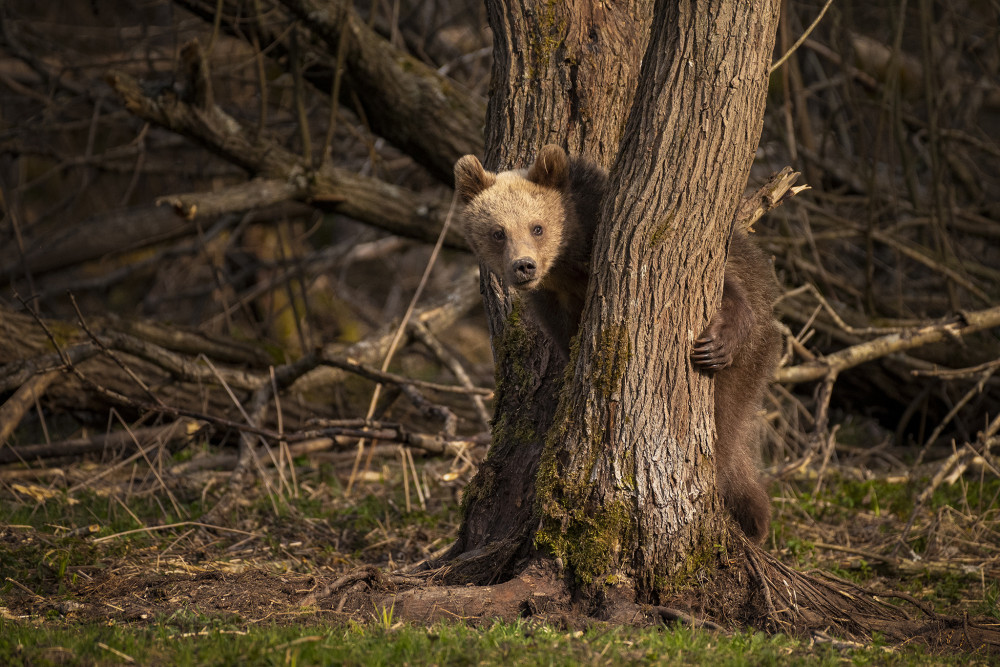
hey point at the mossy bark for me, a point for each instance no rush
(627, 475)
(564, 72)
(625, 486)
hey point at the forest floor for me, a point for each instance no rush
(105, 562)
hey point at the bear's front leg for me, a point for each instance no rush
(721, 340)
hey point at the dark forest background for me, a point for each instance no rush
(890, 112)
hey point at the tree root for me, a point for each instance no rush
(769, 596)
(800, 604)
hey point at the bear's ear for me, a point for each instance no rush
(551, 167)
(471, 178)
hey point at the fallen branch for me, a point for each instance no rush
(117, 440)
(393, 88)
(25, 398)
(253, 194)
(365, 199)
(84, 378)
(17, 373)
(126, 230)
(832, 364)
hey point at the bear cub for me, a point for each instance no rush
(534, 228)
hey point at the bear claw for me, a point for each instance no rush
(711, 351)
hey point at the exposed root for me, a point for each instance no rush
(797, 602)
(537, 591)
(368, 573)
(482, 566)
(801, 604)
(669, 614)
(775, 598)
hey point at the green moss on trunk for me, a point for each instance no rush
(587, 534)
(591, 542)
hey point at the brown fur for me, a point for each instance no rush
(534, 228)
(559, 195)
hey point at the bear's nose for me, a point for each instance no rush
(524, 268)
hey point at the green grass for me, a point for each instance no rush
(111, 514)
(44, 558)
(36, 553)
(990, 605)
(203, 641)
(840, 498)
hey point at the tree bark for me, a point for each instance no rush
(626, 487)
(563, 73)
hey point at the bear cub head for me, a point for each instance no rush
(516, 221)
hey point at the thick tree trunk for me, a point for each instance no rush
(628, 486)
(636, 425)
(563, 73)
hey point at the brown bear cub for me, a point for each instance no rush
(534, 228)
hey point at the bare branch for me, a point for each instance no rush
(366, 199)
(772, 194)
(965, 324)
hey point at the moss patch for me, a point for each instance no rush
(587, 539)
(591, 542)
(513, 376)
(663, 229)
(613, 352)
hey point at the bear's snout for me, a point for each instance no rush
(524, 269)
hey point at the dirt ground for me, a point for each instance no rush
(334, 557)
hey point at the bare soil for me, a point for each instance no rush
(355, 567)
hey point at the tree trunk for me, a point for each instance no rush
(563, 73)
(628, 487)
(636, 424)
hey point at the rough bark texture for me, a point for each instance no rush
(637, 422)
(628, 484)
(563, 73)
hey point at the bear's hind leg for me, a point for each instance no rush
(746, 499)
(737, 399)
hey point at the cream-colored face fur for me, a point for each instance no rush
(513, 224)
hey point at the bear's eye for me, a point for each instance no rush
(498, 235)
(537, 230)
